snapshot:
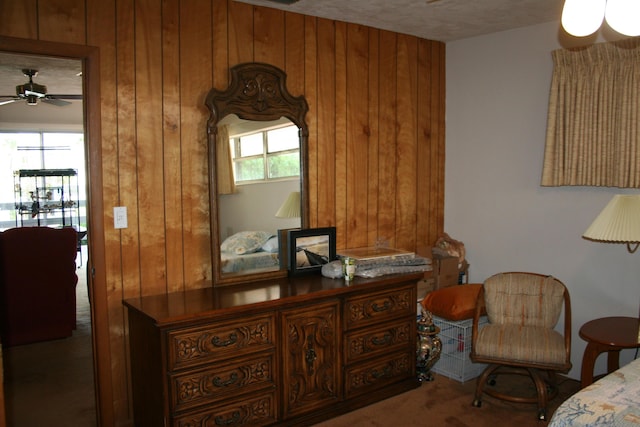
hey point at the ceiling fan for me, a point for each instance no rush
(33, 92)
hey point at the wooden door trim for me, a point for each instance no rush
(90, 57)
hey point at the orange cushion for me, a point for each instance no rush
(454, 302)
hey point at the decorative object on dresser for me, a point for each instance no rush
(310, 249)
(295, 351)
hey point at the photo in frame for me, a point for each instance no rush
(310, 249)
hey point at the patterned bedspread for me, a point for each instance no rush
(255, 262)
(614, 400)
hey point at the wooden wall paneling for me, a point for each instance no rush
(294, 52)
(357, 142)
(62, 21)
(325, 120)
(17, 19)
(171, 144)
(101, 32)
(373, 190)
(423, 172)
(269, 36)
(195, 82)
(406, 150)
(311, 95)
(437, 100)
(127, 276)
(149, 126)
(387, 128)
(341, 132)
(240, 26)
(220, 44)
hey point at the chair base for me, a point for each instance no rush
(546, 388)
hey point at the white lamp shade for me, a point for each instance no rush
(624, 16)
(619, 221)
(583, 17)
(291, 207)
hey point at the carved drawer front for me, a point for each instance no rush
(370, 308)
(373, 341)
(365, 377)
(196, 387)
(193, 346)
(256, 410)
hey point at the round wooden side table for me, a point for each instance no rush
(610, 334)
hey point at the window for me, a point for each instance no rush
(37, 150)
(269, 154)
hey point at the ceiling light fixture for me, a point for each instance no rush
(581, 18)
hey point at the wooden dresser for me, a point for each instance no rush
(293, 351)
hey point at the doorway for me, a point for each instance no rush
(94, 252)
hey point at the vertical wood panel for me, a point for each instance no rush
(357, 173)
(195, 83)
(240, 27)
(62, 21)
(149, 126)
(172, 171)
(423, 174)
(341, 134)
(18, 19)
(326, 115)
(406, 150)
(387, 147)
(268, 28)
(294, 52)
(373, 188)
(220, 45)
(311, 95)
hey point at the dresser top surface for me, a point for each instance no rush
(191, 304)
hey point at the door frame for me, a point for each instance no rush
(96, 266)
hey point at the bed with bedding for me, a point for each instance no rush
(614, 400)
(249, 250)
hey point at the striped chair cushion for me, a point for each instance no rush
(527, 344)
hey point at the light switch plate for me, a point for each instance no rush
(120, 217)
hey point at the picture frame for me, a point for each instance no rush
(309, 249)
(283, 247)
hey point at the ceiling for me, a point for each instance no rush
(441, 20)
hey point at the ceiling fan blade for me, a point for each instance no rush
(72, 97)
(55, 101)
(8, 101)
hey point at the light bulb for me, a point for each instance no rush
(624, 16)
(583, 17)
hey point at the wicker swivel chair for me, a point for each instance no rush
(519, 338)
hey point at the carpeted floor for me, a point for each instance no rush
(445, 402)
(51, 383)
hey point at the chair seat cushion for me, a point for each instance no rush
(523, 344)
(453, 303)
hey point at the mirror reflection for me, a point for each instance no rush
(263, 195)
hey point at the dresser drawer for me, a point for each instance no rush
(197, 387)
(381, 306)
(194, 346)
(368, 342)
(369, 376)
(257, 410)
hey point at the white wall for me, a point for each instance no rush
(497, 94)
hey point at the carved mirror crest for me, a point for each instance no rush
(257, 97)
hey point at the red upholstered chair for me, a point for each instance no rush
(37, 284)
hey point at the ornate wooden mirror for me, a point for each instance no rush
(257, 97)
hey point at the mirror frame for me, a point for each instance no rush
(257, 92)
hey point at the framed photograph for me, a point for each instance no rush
(310, 249)
(283, 247)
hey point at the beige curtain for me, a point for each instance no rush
(594, 117)
(226, 183)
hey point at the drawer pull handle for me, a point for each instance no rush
(233, 420)
(217, 381)
(383, 307)
(233, 338)
(381, 341)
(379, 374)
